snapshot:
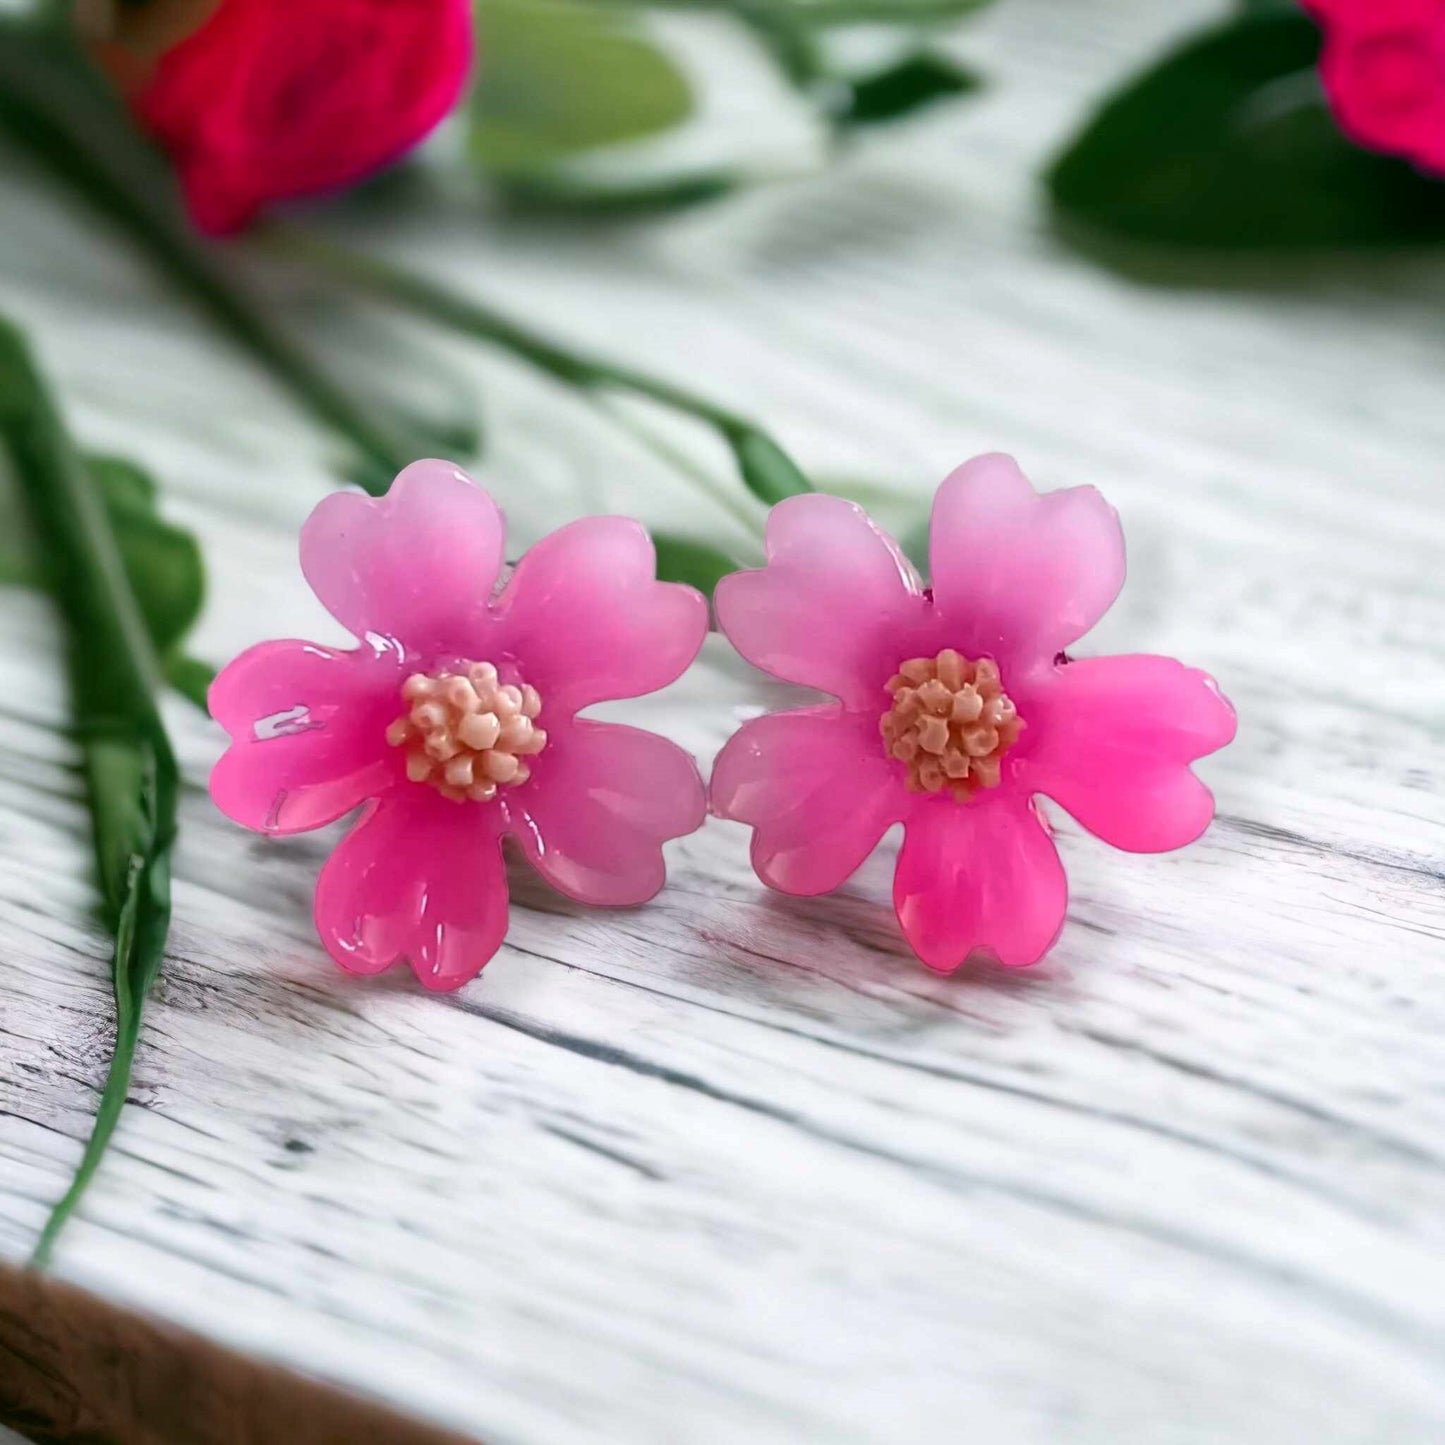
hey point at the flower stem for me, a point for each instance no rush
(766, 469)
(130, 771)
(734, 505)
(62, 115)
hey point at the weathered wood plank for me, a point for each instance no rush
(733, 1166)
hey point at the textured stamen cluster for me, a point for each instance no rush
(951, 722)
(468, 732)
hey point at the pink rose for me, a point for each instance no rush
(273, 98)
(1383, 69)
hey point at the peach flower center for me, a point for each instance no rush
(467, 733)
(951, 723)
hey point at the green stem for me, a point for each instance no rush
(107, 1115)
(680, 462)
(64, 117)
(131, 775)
(477, 319)
(790, 40)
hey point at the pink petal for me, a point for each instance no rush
(601, 802)
(979, 875)
(1368, 15)
(307, 728)
(1111, 738)
(817, 789)
(419, 877)
(826, 610)
(588, 620)
(265, 101)
(1018, 575)
(1385, 85)
(415, 567)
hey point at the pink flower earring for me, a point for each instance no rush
(956, 705)
(454, 721)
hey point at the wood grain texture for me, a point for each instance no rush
(74, 1368)
(735, 1167)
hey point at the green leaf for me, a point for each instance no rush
(126, 487)
(1227, 143)
(907, 86)
(18, 567)
(563, 78)
(768, 471)
(562, 192)
(131, 778)
(680, 559)
(162, 561)
(192, 678)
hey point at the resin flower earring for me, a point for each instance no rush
(454, 721)
(956, 705)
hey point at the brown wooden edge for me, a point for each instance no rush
(75, 1369)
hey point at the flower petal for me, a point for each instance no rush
(264, 101)
(818, 791)
(602, 801)
(1112, 740)
(1018, 576)
(1374, 15)
(588, 619)
(1382, 76)
(983, 874)
(415, 567)
(826, 609)
(308, 734)
(419, 877)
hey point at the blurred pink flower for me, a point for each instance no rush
(455, 723)
(269, 99)
(955, 707)
(1383, 68)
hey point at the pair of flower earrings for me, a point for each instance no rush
(455, 721)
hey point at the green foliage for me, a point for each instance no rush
(162, 561)
(908, 85)
(190, 677)
(561, 192)
(563, 78)
(681, 559)
(1227, 143)
(767, 470)
(65, 119)
(131, 777)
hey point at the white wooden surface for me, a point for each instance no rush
(734, 1167)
